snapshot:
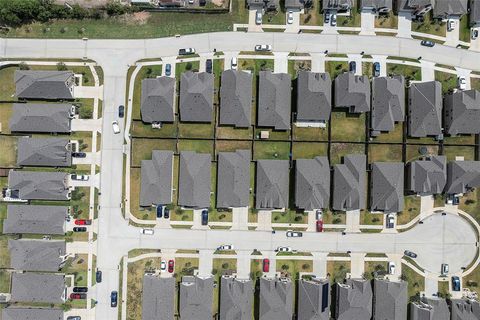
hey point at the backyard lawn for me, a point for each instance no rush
(347, 127)
(271, 150)
(467, 152)
(339, 150)
(310, 134)
(8, 156)
(385, 152)
(309, 150)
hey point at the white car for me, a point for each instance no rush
(258, 17)
(116, 127)
(263, 47)
(462, 83)
(318, 214)
(333, 20)
(390, 221)
(451, 25)
(234, 63)
(79, 177)
(163, 265)
(294, 234)
(149, 232)
(225, 247)
(474, 33)
(391, 267)
(284, 249)
(290, 17)
(444, 269)
(191, 1)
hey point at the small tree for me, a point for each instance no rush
(23, 66)
(61, 66)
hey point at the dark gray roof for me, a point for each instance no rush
(462, 176)
(233, 179)
(474, 17)
(32, 117)
(30, 84)
(196, 298)
(377, 4)
(387, 187)
(35, 219)
(195, 179)
(156, 180)
(294, 4)
(196, 97)
(26, 313)
(390, 300)
(158, 298)
(48, 152)
(38, 287)
(274, 101)
(425, 109)
(354, 300)
(352, 92)
(157, 103)
(427, 176)
(276, 299)
(312, 183)
(337, 4)
(236, 299)
(260, 4)
(349, 183)
(314, 299)
(413, 5)
(462, 112)
(430, 309)
(272, 184)
(450, 8)
(464, 309)
(236, 98)
(36, 255)
(36, 185)
(388, 102)
(314, 96)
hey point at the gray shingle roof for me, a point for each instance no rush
(354, 300)
(427, 176)
(32, 117)
(294, 4)
(195, 179)
(236, 98)
(157, 103)
(156, 179)
(377, 4)
(36, 255)
(38, 287)
(274, 101)
(462, 112)
(337, 4)
(312, 183)
(387, 187)
(158, 298)
(413, 5)
(36, 185)
(450, 8)
(276, 299)
(196, 97)
(259, 4)
(352, 92)
(390, 300)
(25, 313)
(462, 176)
(474, 17)
(314, 299)
(30, 84)
(236, 299)
(48, 152)
(272, 184)
(349, 183)
(425, 109)
(196, 298)
(388, 102)
(314, 96)
(233, 179)
(33, 219)
(463, 309)
(430, 309)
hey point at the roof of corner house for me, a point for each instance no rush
(36, 84)
(158, 298)
(276, 299)
(462, 112)
(34, 219)
(49, 152)
(312, 183)
(196, 97)
(387, 187)
(462, 175)
(196, 298)
(388, 102)
(195, 179)
(428, 176)
(310, 300)
(391, 299)
(236, 298)
(233, 179)
(425, 109)
(157, 104)
(464, 309)
(30, 313)
(314, 98)
(236, 98)
(377, 4)
(475, 11)
(36, 255)
(274, 101)
(352, 91)
(33, 117)
(450, 7)
(354, 300)
(38, 185)
(156, 179)
(272, 184)
(349, 183)
(38, 287)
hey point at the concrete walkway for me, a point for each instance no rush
(281, 62)
(428, 70)
(404, 25)
(367, 23)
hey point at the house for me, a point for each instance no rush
(465, 309)
(462, 176)
(354, 300)
(314, 97)
(388, 103)
(272, 184)
(430, 309)
(378, 6)
(451, 8)
(36, 185)
(274, 101)
(297, 5)
(158, 297)
(349, 183)
(390, 300)
(425, 109)
(353, 92)
(44, 152)
(196, 97)
(236, 98)
(312, 183)
(474, 17)
(29, 313)
(36, 255)
(38, 287)
(32, 219)
(233, 190)
(417, 8)
(337, 5)
(158, 102)
(156, 179)
(276, 299)
(236, 298)
(195, 179)
(48, 85)
(387, 187)
(427, 176)
(462, 112)
(313, 299)
(267, 5)
(196, 298)
(41, 118)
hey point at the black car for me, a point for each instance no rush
(456, 283)
(74, 318)
(204, 217)
(202, 3)
(121, 111)
(80, 229)
(410, 254)
(113, 299)
(376, 69)
(166, 213)
(209, 65)
(159, 211)
(353, 66)
(98, 276)
(79, 154)
(80, 289)
(427, 43)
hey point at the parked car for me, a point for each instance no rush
(74, 318)
(263, 47)
(79, 177)
(390, 221)
(121, 111)
(79, 154)
(163, 265)
(171, 266)
(474, 33)
(258, 17)
(113, 299)
(318, 214)
(391, 267)
(147, 231)
(266, 265)
(462, 83)
(333, 20)
(410, 254)
(83, 222)
(352, 66)
(115, 127)
(444, 270)
(451, 24)
(98, 276)
(78, 296)
(159, 211)
(427, 43)
(326, 19)
(80, 289)
(168, 69)
(456, 283)
(204, 217)
(283, 249)
(208, 65)
(234, 63)
(202, 3)
(289, 17)
(80, 229)
(225, 247)
(294, 234)
(376, 69)
(319, 225)
(166, 213)
(186, 51)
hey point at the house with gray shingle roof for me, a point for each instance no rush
(388, 103)
(236, 298)
(158, 100)
(51, 85)
(295, 5)
(417, 8)
(38, 287)
(272, 184)
(36, 255)
(462, 112)
(274, 100)
(33, 219)
(233, 179)
(353, 92)
(387, 187)
(268, 5)
(390, 300)
(46, 118)
(36, 185)
(338, 5)
(196, 298)
(312, 183)
(451, 8)
(195, 179)
(427, 176)
(313, 299)
(462, 176)
(429, 309)
(314, 96)
(354, 300)
(44, 152)
(464, 309)
(425, 109)
(349, 183)
(379, 6)
(28, 313)
(156, 179)
(236, 99)
(196, 97)
(474, 16)
(276, 299)
(158, 297)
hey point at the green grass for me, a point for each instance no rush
(414, 154)
(185, 267)
(232, 145)
(453, 151)
(334, 217)
(339, 150)
(334, 68)
(411, 209)
(374, 266)
(394, 136)
(139, 129)
(443, 289)
(310, 134)
(416, 283)
(271, 150)
(5, 114)
(200, 146)
(429, 26)
(288, 216)
(464, 29)
(385, 152)
(347, 127)
(349, 21)
(309, 150)
(448, 81)
(298, 65)
(367, 217)
(470, 203)
(8, 156)
(410, 72)
(466, 139)
(273, 134)
(81, 205)
(292, 268)
(338, 270)
(135, 209)
(142, 149)
(386, 21)
(224, 132)
(5, 279)
(312, 16)
(475, 83)
(256, 65)
(196, 130)
(77, 266)
(7, 84)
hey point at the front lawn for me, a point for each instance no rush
(430, 26)
(337, 270)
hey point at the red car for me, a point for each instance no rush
(83, 222)
(77, 296)
(319, 225)
(171, 265)
(266, 265)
